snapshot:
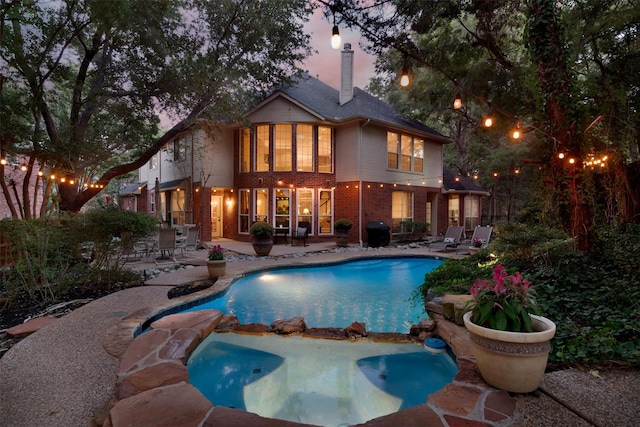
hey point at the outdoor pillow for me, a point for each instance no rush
(301, 231)
(449, 240)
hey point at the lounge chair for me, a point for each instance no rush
(480, 235)
(451, 239)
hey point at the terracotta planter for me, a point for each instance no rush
(512, 361)
(342, 238)
(216, 268)
(262, 246)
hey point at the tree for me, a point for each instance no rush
(98, 74)
(515, 59)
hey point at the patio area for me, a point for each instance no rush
(64, 376)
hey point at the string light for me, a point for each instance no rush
(457, 102)
(404, 77)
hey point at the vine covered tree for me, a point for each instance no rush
(83, 82)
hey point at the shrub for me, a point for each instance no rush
(343, 224)
(262, 230)
(593, 297)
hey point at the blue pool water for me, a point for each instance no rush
(374, 291)
(315, 381)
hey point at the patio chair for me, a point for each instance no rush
(166, 242)
(451, 239)
(481, 235)
(301, 233)
(191, 239)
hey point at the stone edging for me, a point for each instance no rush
(153, 384)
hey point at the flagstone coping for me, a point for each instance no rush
(153, 387)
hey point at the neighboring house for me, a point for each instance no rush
(311, 154)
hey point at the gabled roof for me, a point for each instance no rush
(461, 185)
(323, 101)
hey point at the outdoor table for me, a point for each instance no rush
(281, 231)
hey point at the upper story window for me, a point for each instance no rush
(392, 150)
(325, 149)
(263, 148)
(304, 148)
(153, 162)
(245, 150)
(405, 152)
(285, 147)
(179, 149)
(418, 155)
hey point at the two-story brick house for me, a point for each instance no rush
(308, 153)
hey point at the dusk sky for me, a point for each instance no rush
(326, 63)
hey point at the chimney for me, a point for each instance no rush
(346, 75)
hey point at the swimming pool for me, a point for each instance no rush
(316, 381)
(376, 292)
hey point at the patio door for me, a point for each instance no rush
(216, 216)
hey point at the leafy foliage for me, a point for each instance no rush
(503, 302)
(262, 230)
(49, 258)
(95, 76)
(593, 297)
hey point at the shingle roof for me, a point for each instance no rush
(131, 189)
(325, 101)
(463, 184)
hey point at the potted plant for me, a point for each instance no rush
(476, 245)
(342, 227)
(216, 264)
(511, 344)
(262, 233)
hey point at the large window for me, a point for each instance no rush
(401, 209)
(471, 212)
(278, 141)
(325, 212)
(282, 143)
(245, 150)
(405, 152)
(454, 210)
(263, 148)
(325, 150)
(304, 148)
(243, 211)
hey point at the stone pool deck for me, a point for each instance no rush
(63, 375)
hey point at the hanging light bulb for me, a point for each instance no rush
(517, 133)
(404, 77)
(457, 102)
(335, 37)
(488, 121)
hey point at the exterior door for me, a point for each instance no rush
(216, 216)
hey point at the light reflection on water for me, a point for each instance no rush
(314, 381)
(376, 292)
